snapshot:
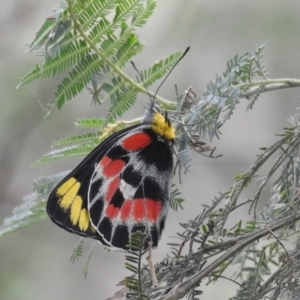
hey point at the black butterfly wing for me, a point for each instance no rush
(67, 204)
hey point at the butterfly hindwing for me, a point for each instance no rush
(130, 187)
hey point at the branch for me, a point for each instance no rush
(181, 289)
(270, 85)
(234, 281)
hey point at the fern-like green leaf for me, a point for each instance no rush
(77, 251)
(26, 214)
(72, 151)
(77, 80)
(45, 184)
(175, 201)
(157, 71)
(127, 50)
(86, 137)
(84, 51)
(141, 14)
(90, 123)
(53, 66)
(125, 100)
(42, 35)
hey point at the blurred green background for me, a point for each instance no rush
(34, 262)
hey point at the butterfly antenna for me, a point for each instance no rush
(152, 100)
(182, 56)
(142, 78)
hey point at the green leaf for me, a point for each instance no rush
(71, 151)
(78, 78)
(45, 184)
(90, 123)
(92, 137)
(83, 52)
(54, 66)
(28, 213)
(77, 251)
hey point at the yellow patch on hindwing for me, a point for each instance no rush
(162, 126)
(76, 210)
(84, 220)
(71, 202)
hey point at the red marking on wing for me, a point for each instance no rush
(136, 141)
(105, 161)
(125, 210)
(153, 209)
(141, 208)
(112, 211)
(112, 189)
(138, 209)
(113, 168)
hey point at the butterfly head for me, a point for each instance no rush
(159, 124)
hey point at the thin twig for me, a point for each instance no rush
(241, 285)
(287, 254)
(151, 266)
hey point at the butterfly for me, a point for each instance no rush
(122, 186)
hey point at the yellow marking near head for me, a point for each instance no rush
(69, 193)
(84, 220)
(75, 210)
(162, 127)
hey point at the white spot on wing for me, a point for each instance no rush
(127, 190)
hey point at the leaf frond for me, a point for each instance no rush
(26, 214)
(82, 138)
(70, 151)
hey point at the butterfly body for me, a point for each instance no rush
(122, 186)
